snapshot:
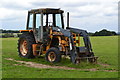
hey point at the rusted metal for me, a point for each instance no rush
(46, 11)
(34, 46)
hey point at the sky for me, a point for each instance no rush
(90, 15)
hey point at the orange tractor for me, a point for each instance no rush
(46, 34)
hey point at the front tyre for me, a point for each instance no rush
(53, 55)
(25, 45)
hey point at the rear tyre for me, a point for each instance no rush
(53, 55)
(25, 45)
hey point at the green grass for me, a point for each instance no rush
(0, 58)
(106, 48)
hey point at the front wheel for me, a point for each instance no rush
(53, 55)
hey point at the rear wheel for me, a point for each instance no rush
(53, 55)
(25, 45)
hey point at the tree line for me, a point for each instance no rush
(9, 31)
(16, 33)
(103, 32)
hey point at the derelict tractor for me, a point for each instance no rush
(46, 34)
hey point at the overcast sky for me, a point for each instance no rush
(91, 15)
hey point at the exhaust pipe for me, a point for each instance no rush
(67, 20)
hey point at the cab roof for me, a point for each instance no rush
(46, 11)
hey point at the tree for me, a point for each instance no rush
(104, 32)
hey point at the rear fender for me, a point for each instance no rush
(22, 31)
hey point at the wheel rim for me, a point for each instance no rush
(23, 47)
(51, 56)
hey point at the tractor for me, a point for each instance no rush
(46, 35)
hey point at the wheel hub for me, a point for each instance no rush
(23, 47)
(51, 56)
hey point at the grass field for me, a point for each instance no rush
(106, 48)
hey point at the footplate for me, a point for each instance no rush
(87, 59)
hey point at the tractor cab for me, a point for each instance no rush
(41, 20)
